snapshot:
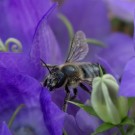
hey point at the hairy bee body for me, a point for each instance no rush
(77, 72)
(89, 70)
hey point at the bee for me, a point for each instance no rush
(72, 73)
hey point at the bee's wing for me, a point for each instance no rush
(78, 48)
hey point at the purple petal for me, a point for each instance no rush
(45, 45)
(122, 9)
(30, 120)
(86, 123)
(127, 86)
(71, 127)
(19, 19)
(119, 51)
(107, 67)
(17, 89)
(4, 129)
(23, 64)
(95, 27)
(92, 20)
(53, 116)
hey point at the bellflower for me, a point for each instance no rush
(19, 85)
(16, 89)
(19, 19)
(30, 63)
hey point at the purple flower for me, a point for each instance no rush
(20, 84)
(4, 129)
(53, 116)
(16, 89)
(30, 63)
(19, 19)
(21, 63)
(118, 53)
(127, 88)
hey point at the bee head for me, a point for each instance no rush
(55, 79)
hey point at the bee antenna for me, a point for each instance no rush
(46, 65)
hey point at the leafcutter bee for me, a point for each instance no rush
(72, 73)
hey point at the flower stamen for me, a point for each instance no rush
(11, 44)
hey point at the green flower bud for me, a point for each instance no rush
(110, 107)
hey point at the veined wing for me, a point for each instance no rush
(78, 48)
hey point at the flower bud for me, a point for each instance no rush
(110, 107)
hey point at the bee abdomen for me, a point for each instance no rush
(90, 70)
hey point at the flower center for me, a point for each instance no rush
(24, 130)
(11, 44)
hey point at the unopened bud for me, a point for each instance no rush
(110, 107)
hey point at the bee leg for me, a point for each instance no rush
(85, 88)
(75, 94)
(67, 97)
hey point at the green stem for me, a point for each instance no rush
(68, 25)
(14, 115)
(95, 42)
(100, 71)
(122, 130)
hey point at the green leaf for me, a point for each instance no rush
(102, 128)
(86, 108)
(128, 121)
(95, 42)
